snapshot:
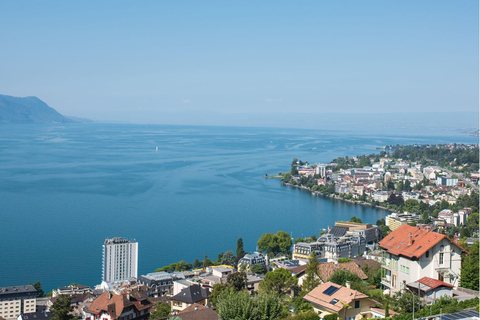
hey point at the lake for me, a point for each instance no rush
(65, 188)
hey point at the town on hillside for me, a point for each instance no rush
(420, 262)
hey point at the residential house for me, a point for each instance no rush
(126, 306)
(198, 312)
(188, 296)
(348, 304)
(414, 252)
(216, 275)
(327, 269)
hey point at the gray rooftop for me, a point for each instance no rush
(117, 240)
(17, 289)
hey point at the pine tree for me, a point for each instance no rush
(61, 308)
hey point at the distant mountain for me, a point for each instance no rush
(28, 110)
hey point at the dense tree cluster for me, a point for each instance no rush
(469, 273)
(273, 244)
(444, 157)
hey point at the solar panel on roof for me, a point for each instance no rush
(330, 290)
(461, 315)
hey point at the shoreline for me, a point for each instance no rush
(318, 193)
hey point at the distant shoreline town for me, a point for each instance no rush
(421, 260)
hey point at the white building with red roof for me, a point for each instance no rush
(430, 288)
(412, 253)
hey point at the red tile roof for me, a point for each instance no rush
(114, 304)
(412, 242)
(433, 283)
(298, 271)
(193, 307)
(204, 314)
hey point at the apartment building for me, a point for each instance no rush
(17, 300)
(332, 247)
(252, 259)
(120, 260)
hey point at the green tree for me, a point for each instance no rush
(240, 247)
(332, 316)
(355, 219)
(284, 241)
(233, 305)
(61, 308)
(197, 264)
(406, 301)
(469, 272)
(237, 280)
(162, 310)
(217, 290)
(294, 171)
(286, 177)
(275, 243)
(385, 231)
(38, 286)
(312, 280)
(228, 258)
(181, 266)
(400, 186)
(280, 281)
(301, 305)
(342, 276)
(258, 268)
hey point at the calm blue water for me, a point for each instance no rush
(65, 188)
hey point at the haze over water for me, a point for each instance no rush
(65, 188)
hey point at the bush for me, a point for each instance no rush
(332, 316)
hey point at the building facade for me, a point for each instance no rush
(414, 252)
(17, 300)
(252, 259)
(120, 260)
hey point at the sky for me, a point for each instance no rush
(205, 62)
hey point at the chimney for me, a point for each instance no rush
(347, 284)
(410, 239)
(109, 295)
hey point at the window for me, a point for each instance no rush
(440, 259)
(357, 304)
(427, 254)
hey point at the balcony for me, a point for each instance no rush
(386, 282)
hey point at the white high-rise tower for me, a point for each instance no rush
(120, 260)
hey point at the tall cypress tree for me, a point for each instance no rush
(240, 247)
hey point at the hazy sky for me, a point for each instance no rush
(147, 61)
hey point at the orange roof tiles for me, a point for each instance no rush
(114, 304)
(433, 283)
(343, 294)
(411, 242)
